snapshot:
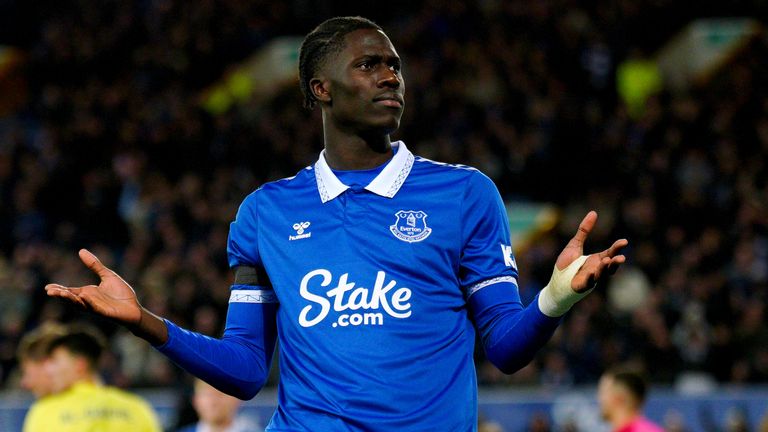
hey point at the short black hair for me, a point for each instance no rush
(632, 380)
(326, 39)
(83, 341)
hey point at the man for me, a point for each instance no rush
(79, 401)
(217, 412)
(32, 354)
(621, 395)
(384, 266)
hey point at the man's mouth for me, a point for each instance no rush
(394, 100)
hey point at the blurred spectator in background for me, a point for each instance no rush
(621, 394)
(79, 401)
(484, 425)
(737, 420)
(33, 354)
(764, 424)
(539, 422)
(218, 412)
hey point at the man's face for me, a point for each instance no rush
(607, 397)
(213, 406)
(64, 369)
(365, 84)
(35, 377)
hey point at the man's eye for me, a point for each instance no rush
(366, 65)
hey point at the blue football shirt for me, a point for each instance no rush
(373, 285)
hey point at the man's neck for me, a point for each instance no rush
(355, 151)
(346, 157)
(91, 379)
(622, 418)
(221, 426)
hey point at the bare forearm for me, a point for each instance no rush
(150, 327)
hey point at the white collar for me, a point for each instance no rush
(386, 184)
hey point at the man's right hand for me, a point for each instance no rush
(112, 298)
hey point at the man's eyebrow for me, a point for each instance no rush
(378, 57)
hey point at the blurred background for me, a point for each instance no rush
(135, 128)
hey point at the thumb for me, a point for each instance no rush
(93, 263)
(585, 227)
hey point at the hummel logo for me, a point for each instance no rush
(300, 234)
(301, 226)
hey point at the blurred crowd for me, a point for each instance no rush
(112, 151)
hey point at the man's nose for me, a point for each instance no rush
(389, 78)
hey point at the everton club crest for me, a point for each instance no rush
(411, 226)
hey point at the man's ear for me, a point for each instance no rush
(320, 89)
(83, 366)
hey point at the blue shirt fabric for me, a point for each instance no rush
(377, 293)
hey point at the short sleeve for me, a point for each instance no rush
(486, 256)
(243, 244)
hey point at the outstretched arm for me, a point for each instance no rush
(113, 298)
(513, 334)
(249, 337)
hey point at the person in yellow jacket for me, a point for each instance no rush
(32, 353)
(80, 402)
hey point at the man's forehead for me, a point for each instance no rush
(32, 365)
(61, 352)
(365, 41)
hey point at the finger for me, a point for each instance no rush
(615, 263)
(603, 268)
(595, 276)
(595, 271)
(75, 290)
(601, 272)
(585, 281)
(93, 263)
(614, 249)
(585, 227)
(54, 290)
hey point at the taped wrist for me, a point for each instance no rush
(558, 297)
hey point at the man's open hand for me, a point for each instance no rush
(597, 265)
(112, 298)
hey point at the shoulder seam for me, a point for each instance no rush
(282, 180)
(445, 164)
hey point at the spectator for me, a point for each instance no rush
(33, 355)
(218, 412)
(80, 401)
(621, 395)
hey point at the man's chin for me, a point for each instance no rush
(390, 126)
(382, 128)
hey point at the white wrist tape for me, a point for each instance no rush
(557, 297)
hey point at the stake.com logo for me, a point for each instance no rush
(371, 301)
